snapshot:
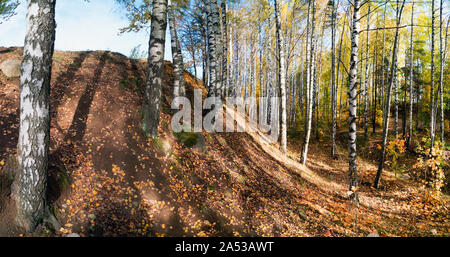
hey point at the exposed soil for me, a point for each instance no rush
(107, 179)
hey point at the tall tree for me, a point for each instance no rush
(212, 12)
(399, 10)
(411, 63)
(281, 75)
(441, 71)
(383, 65)
(310, 101)
(333, 76)
(224, 46)
(177, 57)
(352, 165)
(366, 74)
(155, 70)
(432, 116)
(30, 186)
(395, 103)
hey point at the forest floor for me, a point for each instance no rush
(107, 179)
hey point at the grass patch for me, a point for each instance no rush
(189, 139)
(157, 142)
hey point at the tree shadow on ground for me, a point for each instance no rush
(75, 133)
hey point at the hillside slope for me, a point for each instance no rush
(107, 179)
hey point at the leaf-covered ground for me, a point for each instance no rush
(107, 179)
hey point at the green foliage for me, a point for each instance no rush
(189, 139)
(432, 161)
(136, 53)
(7, 9)
(157, 142)
(395, 150)
(138, 13)
(133, 83)
(63, 177)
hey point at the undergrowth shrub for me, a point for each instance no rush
(395, 150)
(432, 165)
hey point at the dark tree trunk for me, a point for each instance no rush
(411, 63)
(333, 79)
(432, 116)
(386, 111)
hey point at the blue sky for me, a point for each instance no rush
(83, 25)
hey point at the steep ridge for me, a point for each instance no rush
(107, 179)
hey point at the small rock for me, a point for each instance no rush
(406, 176)
(72, 235)
(201, 144)
(166, 146)
(11, 68)
(373, 235)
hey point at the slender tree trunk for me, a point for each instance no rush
(310, 94)
(260, 72)
(375, 84)
(212, 13)
(178, 66)
(411, 74)
(395, 102)
(155, 69)
(333, 78)
(236, 63)
(207, 20)
(317, 77)
(30, 185)
(388, 94)
(308, 71)
(366, 81)
(281, 77)
(383, 70)
(359, 89)
(404, 107)
(224, 46)
(338, 65)
(300, 93)
(441, 72)
(353, 175)
(432, 116)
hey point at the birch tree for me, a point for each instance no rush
(155, 69)
(212, 13)
(30, 185)
(310, 51)
(281, 77)
(352, 165)
(177, 57)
